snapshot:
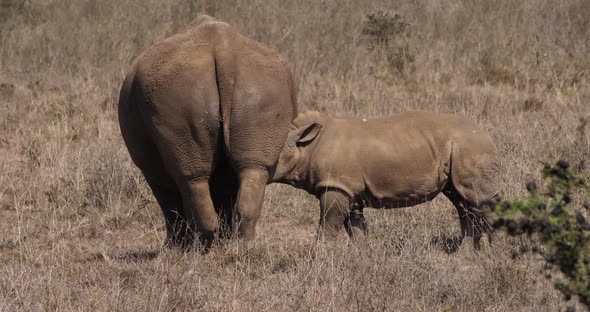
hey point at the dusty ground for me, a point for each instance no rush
(79, 229)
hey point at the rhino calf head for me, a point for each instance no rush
(295, 155)
(398, 161)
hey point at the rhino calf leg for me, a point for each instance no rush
(202, 218)
(334, 210)
(464, 221)
(472, 224)
(356, 225)
(481, 226)
(252, 184)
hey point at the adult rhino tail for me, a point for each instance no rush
(225, 73)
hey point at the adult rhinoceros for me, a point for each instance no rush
(204, 115)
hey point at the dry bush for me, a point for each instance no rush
(79, 230)
(388, 36)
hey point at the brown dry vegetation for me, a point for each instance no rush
(80, 230)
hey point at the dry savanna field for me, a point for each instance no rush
(80, 230)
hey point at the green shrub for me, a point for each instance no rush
(547, 216)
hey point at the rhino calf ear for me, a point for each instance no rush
(309, 132)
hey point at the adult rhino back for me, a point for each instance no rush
(201, 113)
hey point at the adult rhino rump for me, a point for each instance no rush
(201, 113)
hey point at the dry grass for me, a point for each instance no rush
(79, 229)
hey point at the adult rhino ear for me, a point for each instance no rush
(307, 133)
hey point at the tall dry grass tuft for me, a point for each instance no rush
(79, 229)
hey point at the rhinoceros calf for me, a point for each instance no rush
(397, 161)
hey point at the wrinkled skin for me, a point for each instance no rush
(204, 115)
(392, 162)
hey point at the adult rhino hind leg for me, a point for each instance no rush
(188, 151)
(170, 202)
(255, 137)
(203, 222)
(224, 191)
(181, 188)
(146, 157)
(252, 185)
(192, 159)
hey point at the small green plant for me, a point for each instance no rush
(563, 233)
